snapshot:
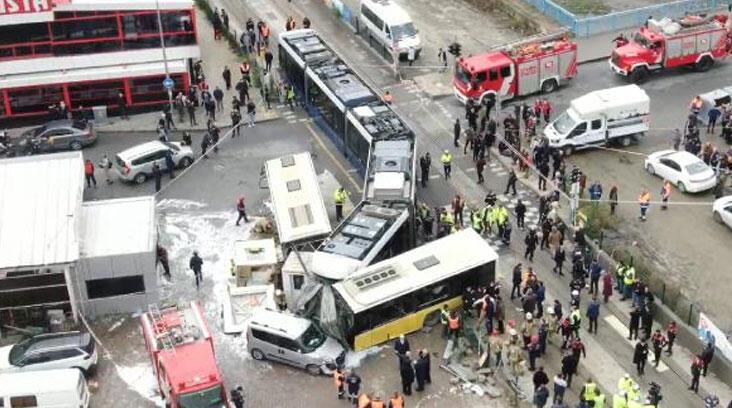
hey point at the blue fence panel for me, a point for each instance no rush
(621, 20)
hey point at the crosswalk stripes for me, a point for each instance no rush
(620, 328)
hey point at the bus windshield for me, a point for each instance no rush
(312, 338)
(208, 398)
(564, 124)
(462, 75)
(403, 31)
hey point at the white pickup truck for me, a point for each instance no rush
(599, 117)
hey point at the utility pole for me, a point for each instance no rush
(165, 54)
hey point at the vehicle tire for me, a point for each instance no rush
(717, 217)
(567, 150)
(681, 187)
(312, 369)
(257, 354)
(76, 145)
(626, 141)
(704, 64)
(185, 162)
(549, 86)
(432, 319)
(639, 75)
(140, 178)
(650, 169)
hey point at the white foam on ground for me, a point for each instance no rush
(141, 379)
(115, 325)
(355, 358)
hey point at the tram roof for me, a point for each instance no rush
(417, 268)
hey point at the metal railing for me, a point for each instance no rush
(586, 26)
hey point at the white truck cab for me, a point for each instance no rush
(599, 117)
(64, 388)
(387, 26)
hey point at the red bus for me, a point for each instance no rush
(85, 52)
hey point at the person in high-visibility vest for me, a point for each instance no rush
(644, 200)
(339, 378)
(588, 390)
(665, 194)
(339, 197)
(476, 219)
(396, 401)
(446, 160)
(628, 282)
(599, 399)
(453, 325)
(620, 400)
(620, 277)
(625, 384)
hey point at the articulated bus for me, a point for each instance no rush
(398, 295)
(331, 91)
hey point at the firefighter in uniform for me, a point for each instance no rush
(339, 378)
(339, 197)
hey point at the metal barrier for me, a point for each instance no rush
(617, 21)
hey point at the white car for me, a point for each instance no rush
(722, 210)
(136, 163)
(684, 170)
(50, 351)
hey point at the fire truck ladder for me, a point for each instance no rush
(162, 334)
(538, 38)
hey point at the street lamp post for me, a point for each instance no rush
(165, 54)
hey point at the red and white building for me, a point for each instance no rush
(84, 52)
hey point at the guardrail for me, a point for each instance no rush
(586, 26)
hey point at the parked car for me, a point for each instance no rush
(722, 210)
(60, 135)
(684, 170)
(292, 340)
(64, 388)
(136, 163)
(50, 351)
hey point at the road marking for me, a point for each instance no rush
(619, 327)
(332, 157)
(435, 176)
(352, 171)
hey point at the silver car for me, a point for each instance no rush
(136, 163)
(292, 340)
(60, 135)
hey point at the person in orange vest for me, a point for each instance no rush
(388, 98)
(364, 401)
(376, 402)
(89, 173)
(453, 325)
(339, 378)
(396, 401)
(644, 200)
(665, 194)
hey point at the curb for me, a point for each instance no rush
(154, 130)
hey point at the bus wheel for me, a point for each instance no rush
(432, 319)
(549, 86)
(704, 64)
(639, 75)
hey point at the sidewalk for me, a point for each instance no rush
(215, 55)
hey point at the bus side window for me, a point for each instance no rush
(493, 74)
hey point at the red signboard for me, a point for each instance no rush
(24, 6)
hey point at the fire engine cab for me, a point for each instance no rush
(692, 41)
(532, 65)
(182, 353)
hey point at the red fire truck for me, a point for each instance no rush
(692, 41)
(536, 64)
(182, 353)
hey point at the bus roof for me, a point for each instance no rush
(415, 269)
(297, 202)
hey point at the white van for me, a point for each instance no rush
(599, 117)
(386, 25)
(65, 388)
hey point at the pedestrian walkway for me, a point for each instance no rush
(215, 55)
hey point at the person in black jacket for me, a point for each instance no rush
(569, 367)
(401, 346)
(406, 371)
(640, 356)
(195, 264)
(531, 241)
(422, 370)
(634, 323)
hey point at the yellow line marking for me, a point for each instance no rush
(345, 172)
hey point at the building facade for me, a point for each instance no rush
(85, 52)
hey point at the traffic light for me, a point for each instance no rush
(454, 49)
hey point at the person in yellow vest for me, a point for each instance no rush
(634, 395)
(340, 197)
(447, 222)
(620, 277)
(446, 160)
(588, 390)
(476, 220)
(625, 384)
(363, 401)
(339, 378)
(628, 282)
(620, 400)
(396, 401)
(485, 213)
(599, 399)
